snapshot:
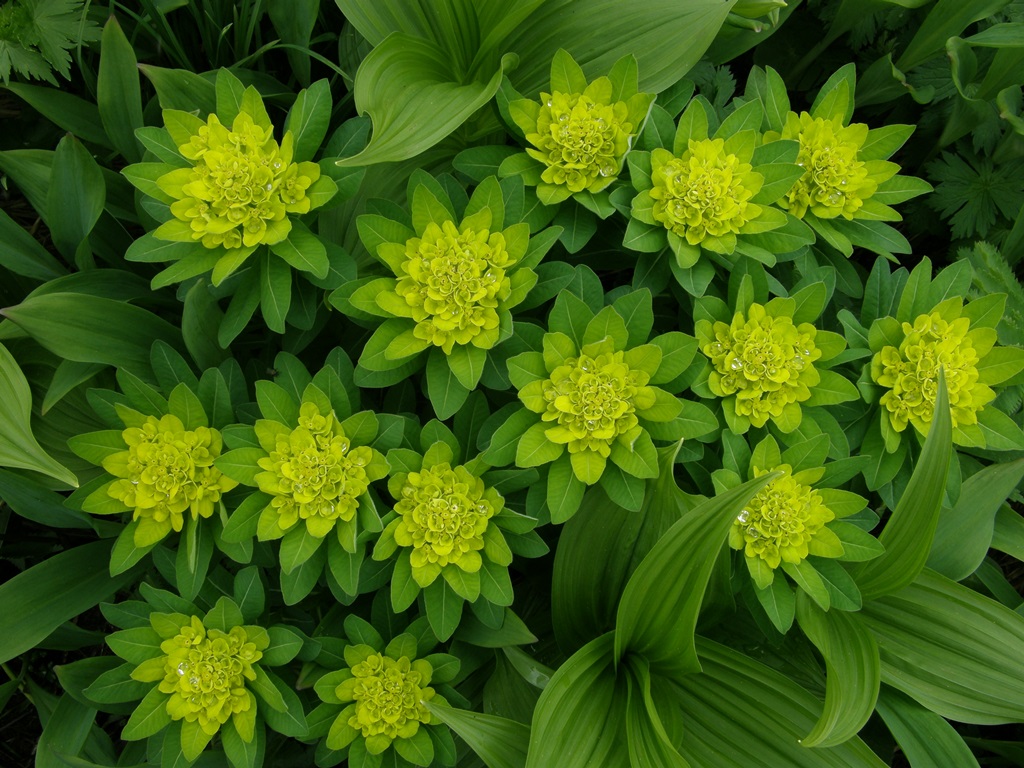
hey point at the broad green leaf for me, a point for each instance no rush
(739, 713)
(18, 445)
(404, 80)
(658, 611)
(927, 740)
(118, 91)
(23, 254)
(964, 532)
(907, 536)
(956, 652)
(667, 38)
(852, 672)
(444, 609)
(75, 197)
(93, 329)
(580, 718)
(499, 742)
(308, 119)
(446, 392)
(649, 744)
(40, 599)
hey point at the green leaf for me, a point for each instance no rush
(579, 720)
(658, 611)
(964, 533)
(444, 609)
(18, 446)
(304, 251)
(499, 742)
(958, 653)
(667, 39)
(118, 92)
(907, 536)
(779, 603)
(446, 392)
(93, 329)
(775, 713)
(275, 292)
(75, 198)
(309, 118)
(404, 78)
(649, 744)
(853, 672)
(927, 740)
(23, 254)
(149, 717)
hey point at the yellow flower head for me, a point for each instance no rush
(765, 361)
(166, 471)
(444, 512)
(911, 372)
(593, 399)
(705, 193)
(389, 696)
(205, 674)
(314, 473)
(454, 280)
(581, 138)
(781, 523)
(834, 183)
(241, 185)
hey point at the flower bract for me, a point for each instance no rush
(763, 363)
(704, 196)
(313, 472)
(167, 471)
(784, 522)
(933, 343)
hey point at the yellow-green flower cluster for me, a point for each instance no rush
(240, 187)
(389, 698)
(581, 138)
(452, 281)
(835, 182)
(911, 372)
(785, 521)
(763, 360)
(443, 514)
(204, 672)
(313, 472)
(166, 471)
(592, 399)
(705, 194)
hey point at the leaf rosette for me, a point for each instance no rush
(457, 276)
(766, 362)
(847, 183)
(579, 133)
(161, 467)
(223, 191)
(312, 462)
(447, 530)
(793, 527)
(199, 675)
(377, 705)
(592, 400)
(713, 191)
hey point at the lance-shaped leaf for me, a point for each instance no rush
(958, 653)
(18, 446)
(666, 36)
(927, 740)
(408, 87)
(601, 547)
(964, 533)
(498, 741)
(37, 601)
(907, 537)
(658, 611)
(580, 718)
(853, 669)
(739, 713)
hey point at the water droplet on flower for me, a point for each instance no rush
(548, 102)
(182, 668)
(753, 532)
(736, 364)
(268, 187)
(743, 516)
(563, 118)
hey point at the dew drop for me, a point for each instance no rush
(743, 516)
(753, 532)
(736, 365)
(268, 187)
